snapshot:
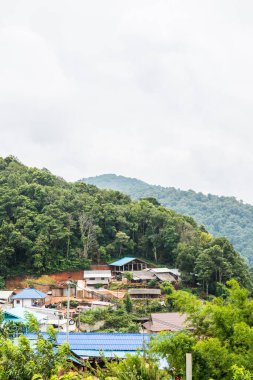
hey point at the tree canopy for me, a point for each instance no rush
(48, 224)
(221, 337)
(222, 216)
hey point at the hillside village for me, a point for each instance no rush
(80, 303)
(88, 276)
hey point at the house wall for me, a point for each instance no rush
(63, 292)
(97, 280)
(22, 302)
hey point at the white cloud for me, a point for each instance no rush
(160, 90)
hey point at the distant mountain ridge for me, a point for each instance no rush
(221, 215)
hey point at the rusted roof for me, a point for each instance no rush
(143, 275)
(166, 322)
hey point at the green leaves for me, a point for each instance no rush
(47, 224)
(221, 340)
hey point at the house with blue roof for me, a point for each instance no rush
(29, 297)
(19, 314)
(95, 345)
(128, 264)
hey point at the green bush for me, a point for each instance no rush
(72, 303)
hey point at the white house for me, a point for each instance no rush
(29, 297)
(93, 277)
(44, 317)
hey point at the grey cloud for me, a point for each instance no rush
(160, 90)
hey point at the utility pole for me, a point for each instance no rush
(79, 320)
(188, 366)
(68, 306)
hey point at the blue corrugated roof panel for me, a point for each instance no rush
(123, 261)
(97, 354)
(29, 294)
(126, 342)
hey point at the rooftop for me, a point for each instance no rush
(29, 293)
(123, 261)
(93, 344)
(175, 272)
(165, 277)
(160, 270)
(166, 322)
(143, 275)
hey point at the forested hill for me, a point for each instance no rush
(47, 224)
(222, 216)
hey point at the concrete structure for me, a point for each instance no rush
(81, 291)
(166, 322)
(144, 293)
(61, 290)
(128, 264)
(93, 277)
(29, 297)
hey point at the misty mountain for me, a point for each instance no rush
(221, 215)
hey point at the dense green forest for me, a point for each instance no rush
(221, 216)
(48, 224)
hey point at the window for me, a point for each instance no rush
(92, 278)
(102, 278)
(17, 301)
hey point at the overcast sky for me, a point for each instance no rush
(160, 90)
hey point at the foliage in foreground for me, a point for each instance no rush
(20, 361)
(142, 366)
(222, 338)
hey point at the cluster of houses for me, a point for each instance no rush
(141, 274)
(89, 345)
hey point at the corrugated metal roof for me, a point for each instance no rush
(144, 291)
(123, 261)
(98, 353)
(159, 270)
(29, 294)
(175, 271)
(143, 275)
(165, 277)
(166, 322)
(111, 342)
